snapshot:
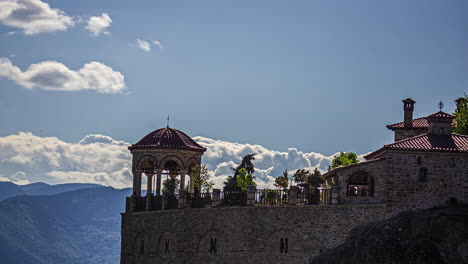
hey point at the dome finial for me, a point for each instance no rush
(167, 121)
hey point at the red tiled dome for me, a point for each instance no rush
(167, 138)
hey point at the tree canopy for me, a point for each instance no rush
(314, 179)
(344, 159)
(460, 125)
(282, 180)
(201, 178)
(244, 179)
(300, 175)
(232, 183)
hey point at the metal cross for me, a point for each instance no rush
(167, 121)
(441, 105)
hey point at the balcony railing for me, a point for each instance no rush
(217, 198)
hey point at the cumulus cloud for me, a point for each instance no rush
(55, 76)
(33, 16)
(221, 156)
(25, 157)
(146, 46)
(100, 159)
(98, 25)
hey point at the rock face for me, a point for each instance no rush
(438, 235)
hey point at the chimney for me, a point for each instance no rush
(408, 107)
(440, 123)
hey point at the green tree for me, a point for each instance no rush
(201, 178)
(231, 184)
(314, 179)
(460, 125)
(283, 180)
(244, 179)
(300, 175)
(344, 159)
(170, 185)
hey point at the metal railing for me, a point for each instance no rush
(272, 197)
(198, 200)
(261, 197)
(233, 198)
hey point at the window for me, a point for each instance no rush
(452, 162)
(419, 160)
(360, 184)
(423, 174)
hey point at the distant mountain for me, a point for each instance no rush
(9, 189)
(40, 188)
(77, 227)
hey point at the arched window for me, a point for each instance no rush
(360, 184)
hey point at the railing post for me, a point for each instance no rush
(164, 201)
(216, 198)
(251, 190)
(335, 194)
(293, 195)
(181, 203)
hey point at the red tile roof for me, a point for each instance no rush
(420, 122)
(441, 114)
(427, 142)
(167, 138)
(327, 174)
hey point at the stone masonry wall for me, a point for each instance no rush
(240, 234)
(445, 178)
(407, 133)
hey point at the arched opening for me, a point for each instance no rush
(171, 183)
(360, 183)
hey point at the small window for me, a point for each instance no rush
(452, 163)
(419, 160)
(423, 174)
(442, 131)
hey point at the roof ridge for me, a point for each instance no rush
(406, 139)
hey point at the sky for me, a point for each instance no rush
(316, 76)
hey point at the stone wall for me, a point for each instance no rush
(409, 132)
(406, 188)
(286, 234)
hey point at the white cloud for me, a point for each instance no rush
(146, 45)
(51, 160)
(100, 159)
(221, 156)
(55, 76)
(33, 16)
(157, 43)
(98, 25)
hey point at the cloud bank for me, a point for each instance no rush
(98, 25)
(33, 16)
(100, 159)
(55, 76)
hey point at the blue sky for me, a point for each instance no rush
(322, 76)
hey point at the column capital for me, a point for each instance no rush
(183, 172)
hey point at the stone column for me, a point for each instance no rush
(335, 194)
(182, 180)
(251, 190)
(192, 184)
(149, 190)
(293, 195)
(158, 182)
(136, 183)
(215, 201)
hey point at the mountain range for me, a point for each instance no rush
(66, 223)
